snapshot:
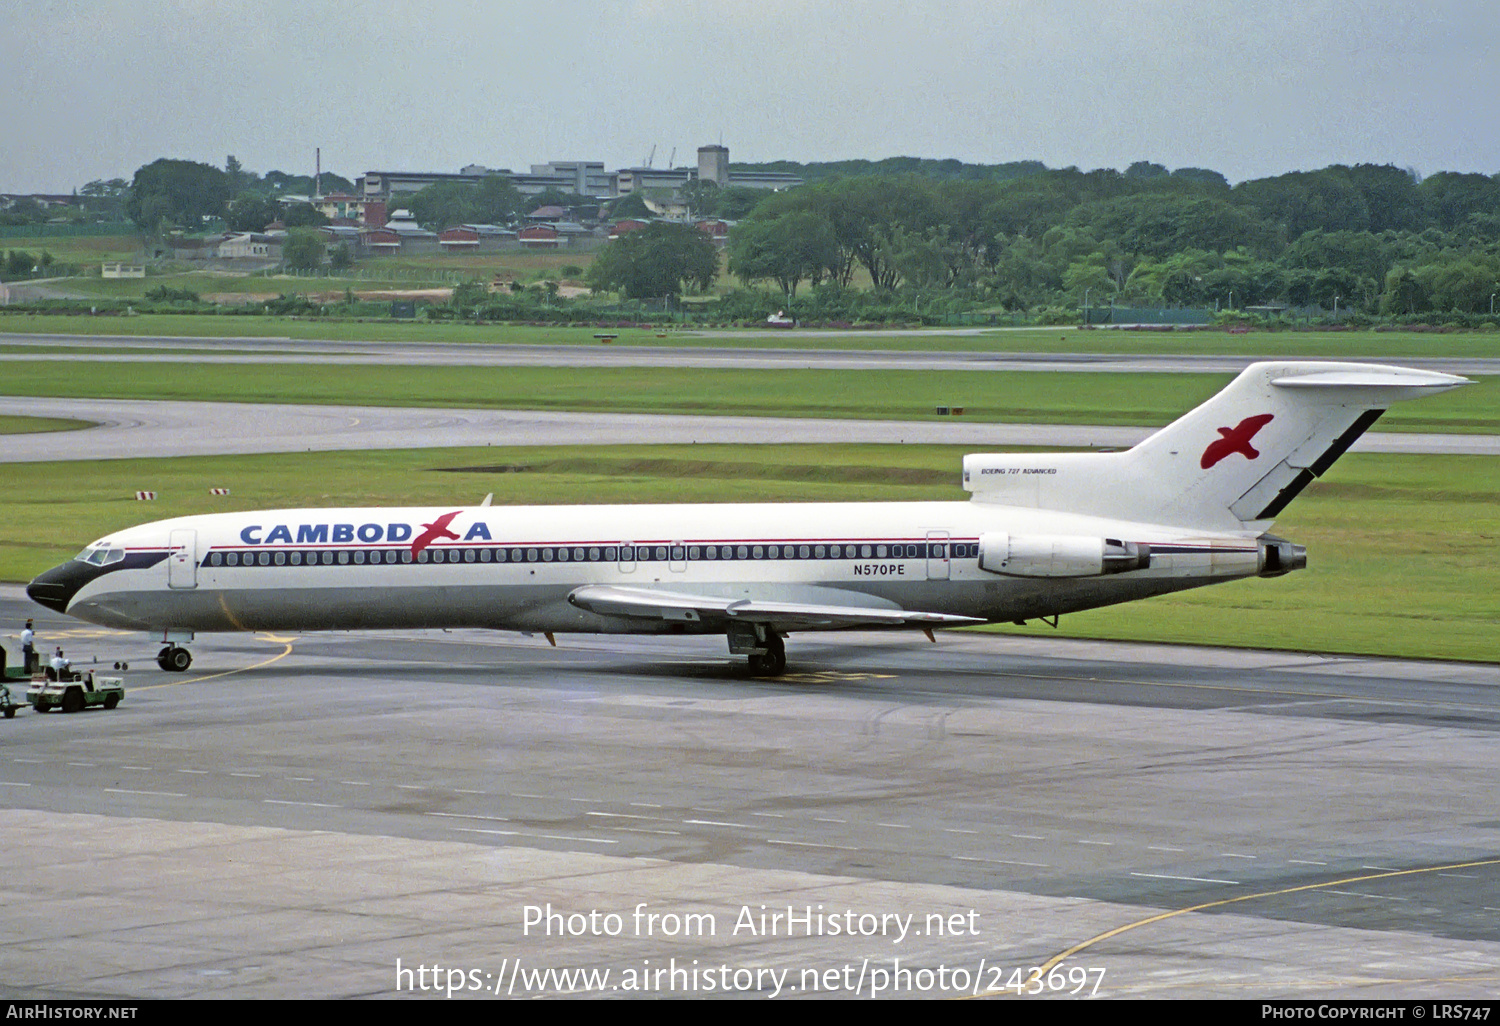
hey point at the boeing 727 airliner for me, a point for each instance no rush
(1041, 535)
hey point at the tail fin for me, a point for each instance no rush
(1231, 464)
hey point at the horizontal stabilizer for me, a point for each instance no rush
(645, 603)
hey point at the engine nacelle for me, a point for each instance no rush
(1279, 556)
(1059, 555)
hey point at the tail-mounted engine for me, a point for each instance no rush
(1279, 556)
(1059, 555)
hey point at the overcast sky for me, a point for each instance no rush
(96, 88)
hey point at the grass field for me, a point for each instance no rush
(39, 425)
(1401, 548)
(1016, 397)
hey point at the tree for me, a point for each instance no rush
(24, 210)
(1303, 200)
(240, 180)
(496, 201)
(789, 249)
(105, 199)
(18, 263)
(182, 192)
(250, 212)
(657, 260)
(303, 250)
(276, 183)
(1450, 197)
(630, 205)
(1404, 293)
(1212, 181)
(1145, 169)
(304, 215)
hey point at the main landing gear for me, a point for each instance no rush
(771, 662)
(174, 658)
(763, 644)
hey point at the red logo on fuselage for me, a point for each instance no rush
(435, 530)
(1235, 439)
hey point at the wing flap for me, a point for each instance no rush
(643, 603)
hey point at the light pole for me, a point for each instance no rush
(1086, 304)
(1335, 306)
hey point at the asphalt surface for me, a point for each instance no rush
(414, 814)
(304, 817)
(130, 429)
(763, 356)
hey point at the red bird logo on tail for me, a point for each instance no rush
(435, 530)
(1236, 439)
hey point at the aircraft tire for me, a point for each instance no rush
(773, 662)
(178, 659)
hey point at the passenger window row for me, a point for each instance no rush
(588, 554)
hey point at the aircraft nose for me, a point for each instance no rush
(55, 588)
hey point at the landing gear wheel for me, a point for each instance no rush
(174, 659)
(773, 662)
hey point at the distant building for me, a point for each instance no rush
(713, 164)
(251, 246)
(577, 177)
(670, 206)
(402, 234)
(777, 180)
(539, 236)
(335, 235)
(636, 179)
(716, 229)
(383, 185)
(626, 226)
(589, 177)
(341, 206)
(188, 248)
(476, 238)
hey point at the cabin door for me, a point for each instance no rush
(938, 555)
(182, 560)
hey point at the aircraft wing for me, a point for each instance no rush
(644, 603)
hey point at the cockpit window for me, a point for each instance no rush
(101, 554)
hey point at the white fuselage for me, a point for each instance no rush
(515, 567)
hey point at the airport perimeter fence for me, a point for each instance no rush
(1147, 315)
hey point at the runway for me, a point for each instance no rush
(135, 429)
(295, 815)
(1083, 352)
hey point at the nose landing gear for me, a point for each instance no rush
(174, 658)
